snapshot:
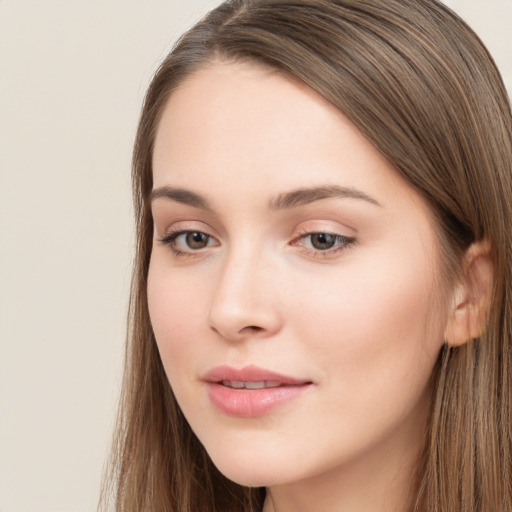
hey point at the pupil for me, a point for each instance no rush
(322, 241)
(197, 240)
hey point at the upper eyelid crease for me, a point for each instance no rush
(283, 201)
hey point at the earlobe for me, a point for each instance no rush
(472, 297)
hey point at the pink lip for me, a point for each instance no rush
(250, 403)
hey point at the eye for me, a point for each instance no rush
(183, 242)
(194, 239)
(323, 243)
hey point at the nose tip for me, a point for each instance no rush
(243, 306)
(238, 323)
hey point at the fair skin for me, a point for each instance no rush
(338, 289)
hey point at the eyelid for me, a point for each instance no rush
(324, 226)
(165, 229)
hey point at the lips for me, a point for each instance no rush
(251, 391)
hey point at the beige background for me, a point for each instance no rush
(72, 77)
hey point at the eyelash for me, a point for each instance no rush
(341, 243)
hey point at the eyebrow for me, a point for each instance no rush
(180, 195)
(283, 201)
(303, 196)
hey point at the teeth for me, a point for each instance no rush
(255, 385)
(238, 384)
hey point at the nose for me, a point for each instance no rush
(244, 303)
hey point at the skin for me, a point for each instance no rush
(363, 320)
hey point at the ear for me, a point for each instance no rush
(472, 297)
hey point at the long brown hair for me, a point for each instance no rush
(422, 88)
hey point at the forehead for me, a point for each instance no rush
(244, 129)
(233, 102)
(246, 116)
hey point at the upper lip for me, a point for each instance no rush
(250, 374)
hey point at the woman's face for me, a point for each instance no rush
(294, 283)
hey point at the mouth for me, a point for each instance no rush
(250, 377)
(251, 392)
(262, 384)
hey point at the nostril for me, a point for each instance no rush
(251, 330)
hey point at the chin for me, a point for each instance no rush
(253, 470)
(249, 475)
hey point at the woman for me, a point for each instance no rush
(321, 304)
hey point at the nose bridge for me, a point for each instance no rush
(242, 302)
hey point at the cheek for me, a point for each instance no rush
(177, 306)
(373, 324)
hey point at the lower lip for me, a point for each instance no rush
(251, 403)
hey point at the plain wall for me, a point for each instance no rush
(72, 78)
